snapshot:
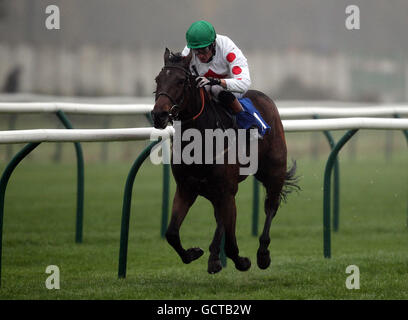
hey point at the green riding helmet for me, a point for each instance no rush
(200, 35)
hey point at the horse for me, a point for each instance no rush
(177, 97)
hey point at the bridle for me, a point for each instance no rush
(175, 108)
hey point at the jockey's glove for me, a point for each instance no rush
(203, 81)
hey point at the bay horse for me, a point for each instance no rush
(177, 97)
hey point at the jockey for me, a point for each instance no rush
(222, 68)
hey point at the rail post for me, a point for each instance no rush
(166, 185)
(80, 180)
(127, 199)
(326, 191)
(405, 132)
(336, 180)
(3, 185)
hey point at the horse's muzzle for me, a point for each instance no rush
(160, 119)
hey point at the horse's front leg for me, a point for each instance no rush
(227, 214)
(182, 202)
(214, 262)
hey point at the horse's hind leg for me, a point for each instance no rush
(214, 262)
(271, 207)
(183, 200)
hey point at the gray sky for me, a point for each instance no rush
(316, 25)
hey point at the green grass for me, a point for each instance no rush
(39, 230)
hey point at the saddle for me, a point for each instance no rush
(247, 119)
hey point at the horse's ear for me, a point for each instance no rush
(187, 59)
(166, 55)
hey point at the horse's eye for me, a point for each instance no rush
(180, 82)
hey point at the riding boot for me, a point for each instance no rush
(236, 107)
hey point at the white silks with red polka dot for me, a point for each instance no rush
(229, 63)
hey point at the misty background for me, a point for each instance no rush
(296, 49)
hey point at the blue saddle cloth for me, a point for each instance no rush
(251, 117)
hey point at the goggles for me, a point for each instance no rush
(202, 50)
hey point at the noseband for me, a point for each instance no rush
(175, 108)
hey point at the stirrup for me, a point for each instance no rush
(254, 135)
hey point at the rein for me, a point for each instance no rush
(202, 104)
(175, 109)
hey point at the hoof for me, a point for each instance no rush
(242, 264)
(263, 259)
(214, 266)
(192, 254)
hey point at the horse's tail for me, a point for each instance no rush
(291, 182)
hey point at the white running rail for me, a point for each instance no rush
(127, 109)
(127, 134)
